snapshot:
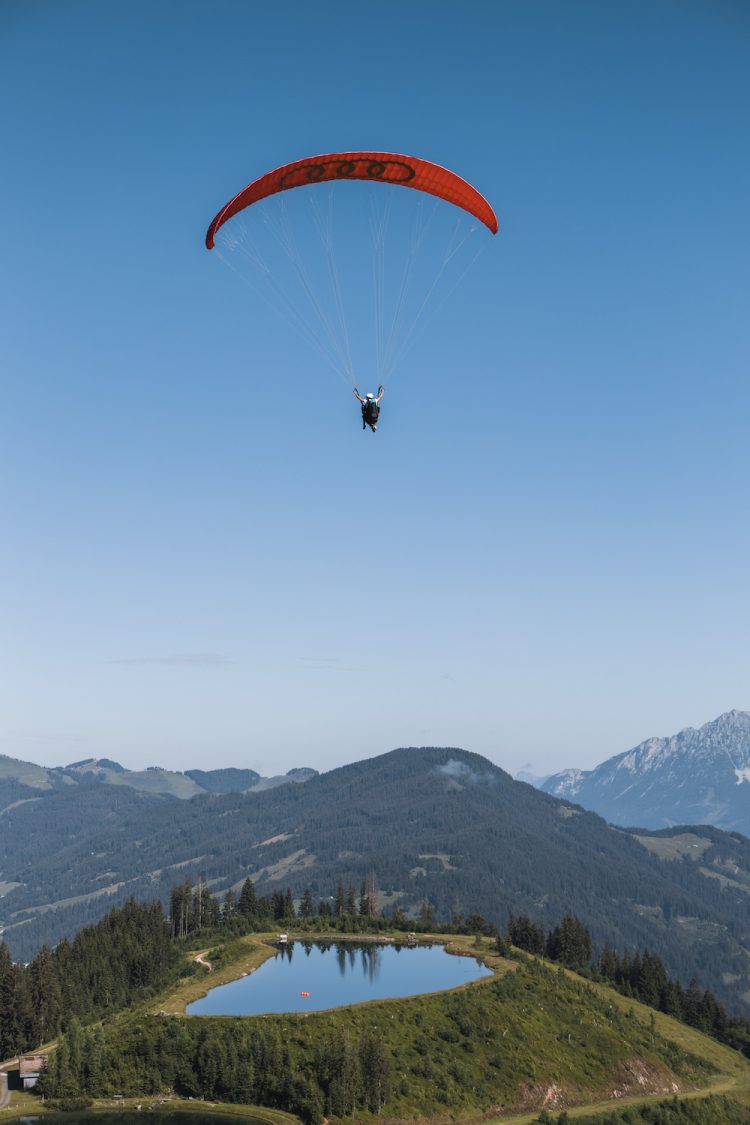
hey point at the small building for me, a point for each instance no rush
(283, 939)
(30, 1067)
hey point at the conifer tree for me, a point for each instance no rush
(426, 915)
(229, 906)
(375, 1071)
(180, 901)
(570, 943)
(44, 997)
(397, 916)
(248, 904)
(342, 1078)
(14, 1007)
(526, 934)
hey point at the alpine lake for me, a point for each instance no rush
(312, 976)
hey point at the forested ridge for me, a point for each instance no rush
(107, 967)
(445, 826)
(448, 1049)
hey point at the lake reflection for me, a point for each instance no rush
(338, 973)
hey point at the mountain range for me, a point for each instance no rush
(695, 777)
(153, 780)
(436, 824)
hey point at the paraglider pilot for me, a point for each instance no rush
(370, 408)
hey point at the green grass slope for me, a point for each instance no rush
(678, 1111)
(532, 1037)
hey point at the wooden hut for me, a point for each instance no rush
(30, 1067)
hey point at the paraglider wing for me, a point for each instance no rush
(386, 167)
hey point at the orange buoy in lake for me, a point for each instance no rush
(304, 993)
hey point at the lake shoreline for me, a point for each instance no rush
(387, 968)
(260, 947)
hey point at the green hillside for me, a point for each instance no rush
(530, 1037)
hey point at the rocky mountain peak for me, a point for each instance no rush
(697, 776)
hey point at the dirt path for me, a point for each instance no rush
(200, 958)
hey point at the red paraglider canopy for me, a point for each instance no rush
(387, 167)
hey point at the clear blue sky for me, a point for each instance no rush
(542, 555)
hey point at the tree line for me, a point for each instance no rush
(228, 1062)
(107, 967)
(194, 909)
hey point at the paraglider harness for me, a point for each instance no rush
(370, 413)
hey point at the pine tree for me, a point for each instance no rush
(375, 1071)
(373, 904)
(44, 997)
(195, 922)
(476, 924)
(248, 904)
(570, 943)
(95, 1054)
(607, 964)
(179, 908)
(229, 906)
(14, 1007)
(49, 1083)
(306, 906)
(211, 911)
(341, 1076)
(426, 917)
(397, 916)
(526, 934)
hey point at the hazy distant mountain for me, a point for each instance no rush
(154, 780)
(431, 823)
(696, 777)
(297, 775)
(224, 781)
